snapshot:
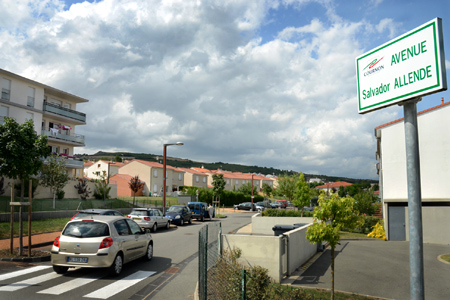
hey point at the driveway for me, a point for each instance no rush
(377, 268)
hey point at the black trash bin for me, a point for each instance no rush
(280, 229)
(297, 225)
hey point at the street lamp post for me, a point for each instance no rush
(164, 173)
(252, 191)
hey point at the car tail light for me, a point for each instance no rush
(56, 242)
(147, 218)
(106, 243)
(128, 217)
(74, 216)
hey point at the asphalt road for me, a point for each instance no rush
(172, 273)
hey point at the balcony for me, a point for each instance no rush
(56, 135)
(70, 162)
(64, 112)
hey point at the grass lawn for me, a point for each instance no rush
(353, 235)
(38, 226)
(446, 257)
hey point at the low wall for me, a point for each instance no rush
(69, 190)
(264, 225)
(42, 215)
(264, 251)
(299, 249)
(281, 255)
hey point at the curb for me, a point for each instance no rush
(31, 259)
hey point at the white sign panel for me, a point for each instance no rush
(412, 65)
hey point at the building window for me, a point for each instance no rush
(155, 189)
(4, 112)
(6, 89)
(29, 116)
(196, 178)
(98, 166)
(67, 105)
(204, 179)
(237, 181)
(66, 151)
(155, 173)
(228, 181)
(243, 181)
(180, 177)
(30, 100)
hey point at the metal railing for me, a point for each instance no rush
(66, 112)
(75, 138)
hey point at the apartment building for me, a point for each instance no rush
(54, 113)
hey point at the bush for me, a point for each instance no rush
(60, 194)
(228, 198)
(275, 212)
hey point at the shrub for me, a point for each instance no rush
(60, 194)
(275, 212)
(378, 231)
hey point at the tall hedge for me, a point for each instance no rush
(228, 198)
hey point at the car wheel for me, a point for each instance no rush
(149, 254)
(190, 220)
(181, 222)
(117, 266)
(155, 227)
(60, 270)
(168, 225)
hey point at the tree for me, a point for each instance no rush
(302, 193)
(54, 175)
(118, 158)
(267, 190)
(364, 202)
(246, 189)
(135, 185)
(21, 150)
(82, 188)
(286, 186)
(330, 217)
(218, 184)
(102, 188)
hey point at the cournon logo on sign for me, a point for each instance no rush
(407, 67)
(371, 69)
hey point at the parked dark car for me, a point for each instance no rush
(179, 214)
(97, 212)
(199, 210)
(245, 206)
(264, 204)
(275, 205)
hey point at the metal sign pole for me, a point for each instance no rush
(414, 200)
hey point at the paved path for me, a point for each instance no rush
(37, 240)
(377, 268)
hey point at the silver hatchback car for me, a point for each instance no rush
(100, 241)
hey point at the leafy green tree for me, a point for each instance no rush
(135, 185)
(330, 217)
(364, 202)
(341, 191)
(246, 189)
(267, 190)
(21, 150)
(286, 186)
(82, 188)
(302, 194)
(218, 184)
(118, 158)
(54, 175)
(352, 190)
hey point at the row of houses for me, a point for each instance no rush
(151, 174)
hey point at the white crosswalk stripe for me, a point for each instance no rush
(70, 285)
(29, 282)
(22, 272)
(102, 293)
(118, 286)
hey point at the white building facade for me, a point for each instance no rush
(434, 151)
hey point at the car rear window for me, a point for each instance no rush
(141, 213)
(86, 229)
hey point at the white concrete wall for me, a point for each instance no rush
(434, 146)
(264, 225)
(299, 249)
(261, 251)
(435, 224)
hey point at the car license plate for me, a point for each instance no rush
(137, 219)
(77, 259)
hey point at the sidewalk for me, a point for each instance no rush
(42, 240)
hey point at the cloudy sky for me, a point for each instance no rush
(256, 82)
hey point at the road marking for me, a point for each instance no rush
(22, 272)
(29, 282)
(120, 285)
(70, 285)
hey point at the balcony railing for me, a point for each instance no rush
(56, 134)
(66, 112)
(70, 162)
